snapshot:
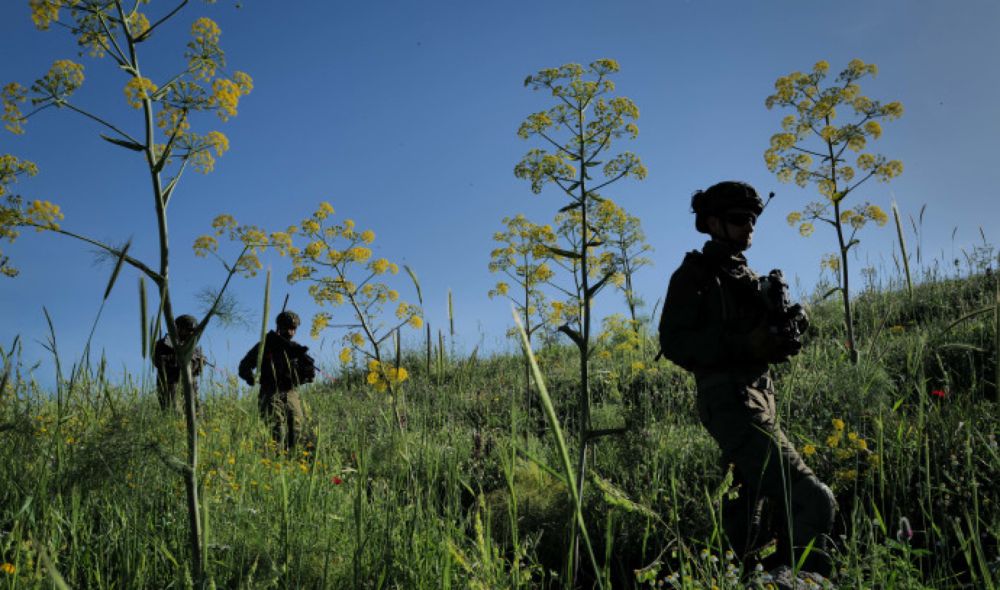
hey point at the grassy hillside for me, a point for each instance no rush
(470, 495)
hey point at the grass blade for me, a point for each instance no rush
(550, 415)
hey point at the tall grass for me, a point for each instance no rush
(474, 493)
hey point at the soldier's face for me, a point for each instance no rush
(735, 226)
(287, 332)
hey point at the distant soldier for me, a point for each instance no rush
(720, 323)
(168, 371)
(285, 366)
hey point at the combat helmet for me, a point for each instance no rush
(186, 322)
(721, 197)
(287, 319)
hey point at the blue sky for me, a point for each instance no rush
(403, 116)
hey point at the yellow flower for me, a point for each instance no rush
(244, 82)
(806, 229)
(63, 77)
(314, 249)
(225, 98)
(833, 440)
(137, 24)
(875, 213)
(44, 215)
(43, 12)
(359, 254)
(346, 355)
(205, 244)
(217, 140)
(846, 475)
(838, 424)
(12, 94)
(368, 236)
(357, 339)
(137, 90)
(809, 450)
(8, 568)
(794, 217)
(380, 266)
(324, 211)
(319, 323)
(416, 322)
(204, 30)
(402, 310)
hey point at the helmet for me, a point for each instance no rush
(721, 197)
(186, 322)
(287, 319)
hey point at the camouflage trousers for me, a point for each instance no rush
(741, 417)
(282, 410)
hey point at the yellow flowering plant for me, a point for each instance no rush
(341, 270)
(815, 147)
(522, 256)
(627, 248)
(845, 454)
(577, 135)
(163, 109)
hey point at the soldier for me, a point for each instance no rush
(715, 323)
(168, 372)
(285, 366)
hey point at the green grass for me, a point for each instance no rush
(471, 494)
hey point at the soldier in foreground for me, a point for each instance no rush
(168, 372)
(285, 366)
(726, 325)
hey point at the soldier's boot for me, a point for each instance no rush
(813, 508)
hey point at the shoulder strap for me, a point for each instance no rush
(704, 271)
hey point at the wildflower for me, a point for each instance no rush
(416, 322)
(838, 424)
(346, 356)
(335, 480)
(905, 532)
(42, 14)
(225, 98)
(846, 475)
(368, 236)
(809, 450)
(137, 90)
(8, 568)
(324, 211)
(939, 393)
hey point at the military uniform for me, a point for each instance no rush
(711, 325)
(285, 366)
(168, 374)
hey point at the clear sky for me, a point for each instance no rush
(403, 116)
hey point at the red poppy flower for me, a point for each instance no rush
(940, 393)
(336, 480)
